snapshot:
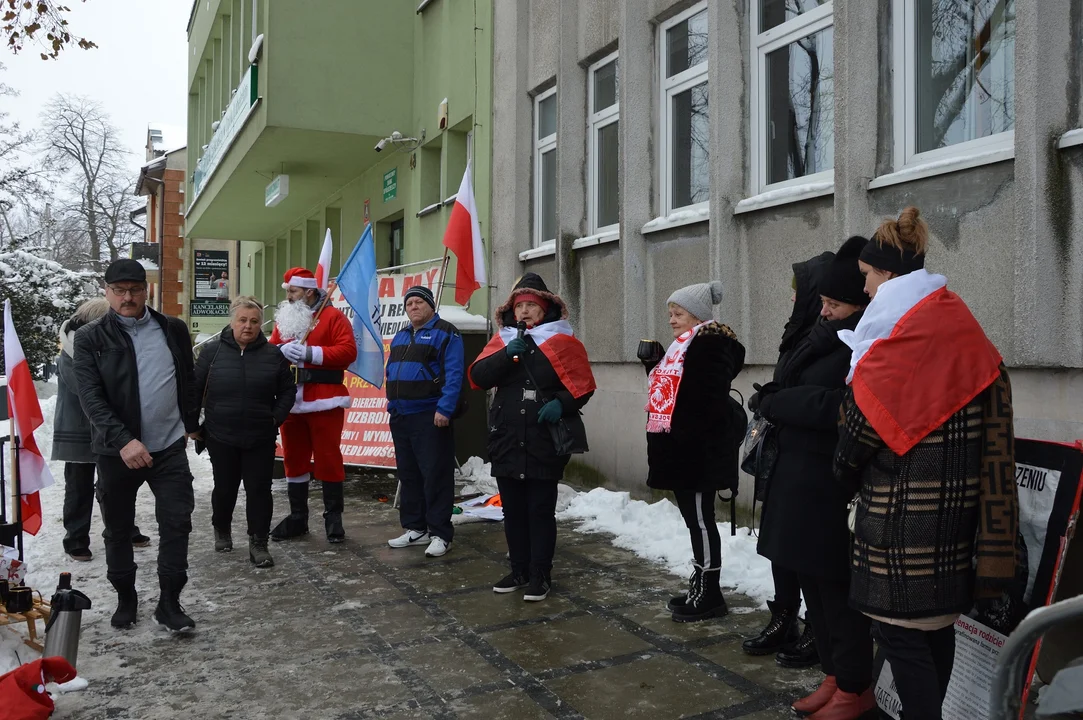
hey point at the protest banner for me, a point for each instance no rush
(366, 432)
(1049, 479)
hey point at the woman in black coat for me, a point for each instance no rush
(804, 528)
(533, 393)
(247, 391)
(688, 420)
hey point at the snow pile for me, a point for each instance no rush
(479, 480)
(656, 532)
(165, 138)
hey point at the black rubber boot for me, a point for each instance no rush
(332, 512)
(693, 581)
(127, 602)
(296, 523)
(780, 632)
(704, 601)
(169, 611)
(801, 654)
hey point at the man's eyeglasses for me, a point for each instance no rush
(133, 291)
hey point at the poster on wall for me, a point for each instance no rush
(366, 432)
(210, 276)
(1049, 480)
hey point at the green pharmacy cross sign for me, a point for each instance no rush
(391, 184)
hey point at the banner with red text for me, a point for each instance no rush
(366, 433)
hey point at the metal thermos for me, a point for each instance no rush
(62, 631)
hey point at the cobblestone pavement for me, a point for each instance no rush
(359, 630)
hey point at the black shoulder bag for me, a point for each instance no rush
(565, 440)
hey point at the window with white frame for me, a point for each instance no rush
(954, 78)
(603, 202)
(685, 131)
(793, 93)
(545, 167)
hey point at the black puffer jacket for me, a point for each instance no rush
(520, 446)
(804, 514)
(694, 455)
(249, 392)
(105, 373)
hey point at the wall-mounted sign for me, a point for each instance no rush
(210, 275)
(232, 121)
(277, 191)
(146, 253)
(391, 184)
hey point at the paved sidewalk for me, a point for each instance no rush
(359, 630)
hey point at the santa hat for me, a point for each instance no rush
(299, 277)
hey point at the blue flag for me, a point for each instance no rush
(357, 281)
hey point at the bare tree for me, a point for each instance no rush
(19, 181)
(82, 145)
(42, 22)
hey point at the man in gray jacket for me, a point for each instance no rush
(71, 440)
(136, 381)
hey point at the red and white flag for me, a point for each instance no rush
(23, 407)
(323, 268)
(463, 237)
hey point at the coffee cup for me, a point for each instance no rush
(20, 599)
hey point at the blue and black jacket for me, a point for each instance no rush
(425, 369)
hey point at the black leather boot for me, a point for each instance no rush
(127, 601)
(258, 553)
(780, 632)
(169, 611)
(704, 601)
(332, 512)
(801, 654)
(296, 523)
(693, 581)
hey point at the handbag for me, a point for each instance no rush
(759, 461)
(566, 441)
(201, 443)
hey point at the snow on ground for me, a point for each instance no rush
(653, 531)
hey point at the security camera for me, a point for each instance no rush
(396, 136)
(382, 144)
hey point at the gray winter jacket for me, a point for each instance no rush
(71, 428)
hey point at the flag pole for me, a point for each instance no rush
(17, 491)
(443, 278)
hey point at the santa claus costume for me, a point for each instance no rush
(318, 340)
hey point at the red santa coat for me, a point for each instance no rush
(333, 348)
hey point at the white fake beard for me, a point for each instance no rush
(293, 319)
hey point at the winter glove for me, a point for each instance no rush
(551, 411)
(517, 346)
(650, 352)
(762, 391)
(296, 352)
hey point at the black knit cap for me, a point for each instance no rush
(843, 280)
(890, 258)
(421, 292)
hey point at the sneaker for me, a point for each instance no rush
(511, 583)
(538, 589)
(409, 539)
(437, 547)
(139, 540)
(81, 554)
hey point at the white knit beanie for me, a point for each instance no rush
(698, 299)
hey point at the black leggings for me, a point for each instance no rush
(921, 663)
(787, 588)
(843, 639)
(697, 508)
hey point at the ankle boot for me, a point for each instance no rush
(332, 512)
(693, 581)
(779, 632)
(816, 701)
(296, 523)
(258, 553)
(704, 601)
(801, 654)
(169, 611)
(127, 601)
(847, 706)
(223, 540)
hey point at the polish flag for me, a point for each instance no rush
(24, 409)
(323, 268)
(463, 237)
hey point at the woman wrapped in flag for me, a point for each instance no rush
(542, 377)
(926, 441)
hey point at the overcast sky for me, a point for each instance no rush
(137, 73)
